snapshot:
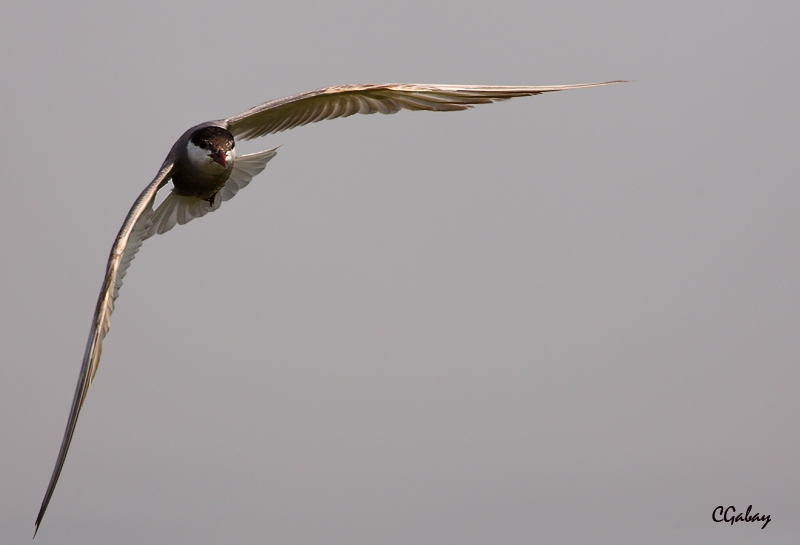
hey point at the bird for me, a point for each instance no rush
(205, 171)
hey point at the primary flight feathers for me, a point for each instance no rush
(345, 100)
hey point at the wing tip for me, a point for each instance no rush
(39, 520)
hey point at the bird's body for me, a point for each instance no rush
(205, 171)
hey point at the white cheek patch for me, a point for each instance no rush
(198, 155)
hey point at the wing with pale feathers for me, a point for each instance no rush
(245, 167)
(345, 100)
(127, 243)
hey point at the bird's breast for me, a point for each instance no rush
(202, 180)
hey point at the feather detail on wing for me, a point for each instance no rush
(345, 100)
(129, 239)
(181, 209)
(245, 168)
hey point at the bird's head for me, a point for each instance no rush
(211, 147)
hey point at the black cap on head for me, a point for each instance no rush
(213, 138)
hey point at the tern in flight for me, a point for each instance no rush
(205, 171)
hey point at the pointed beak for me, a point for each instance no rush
(219, 157)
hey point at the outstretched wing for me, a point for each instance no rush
(127, 243)
(345, 100)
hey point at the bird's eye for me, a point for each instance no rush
(202, 145)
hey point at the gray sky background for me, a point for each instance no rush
(563, 319)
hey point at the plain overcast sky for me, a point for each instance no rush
(571, 318)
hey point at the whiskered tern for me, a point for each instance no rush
(205, 171)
